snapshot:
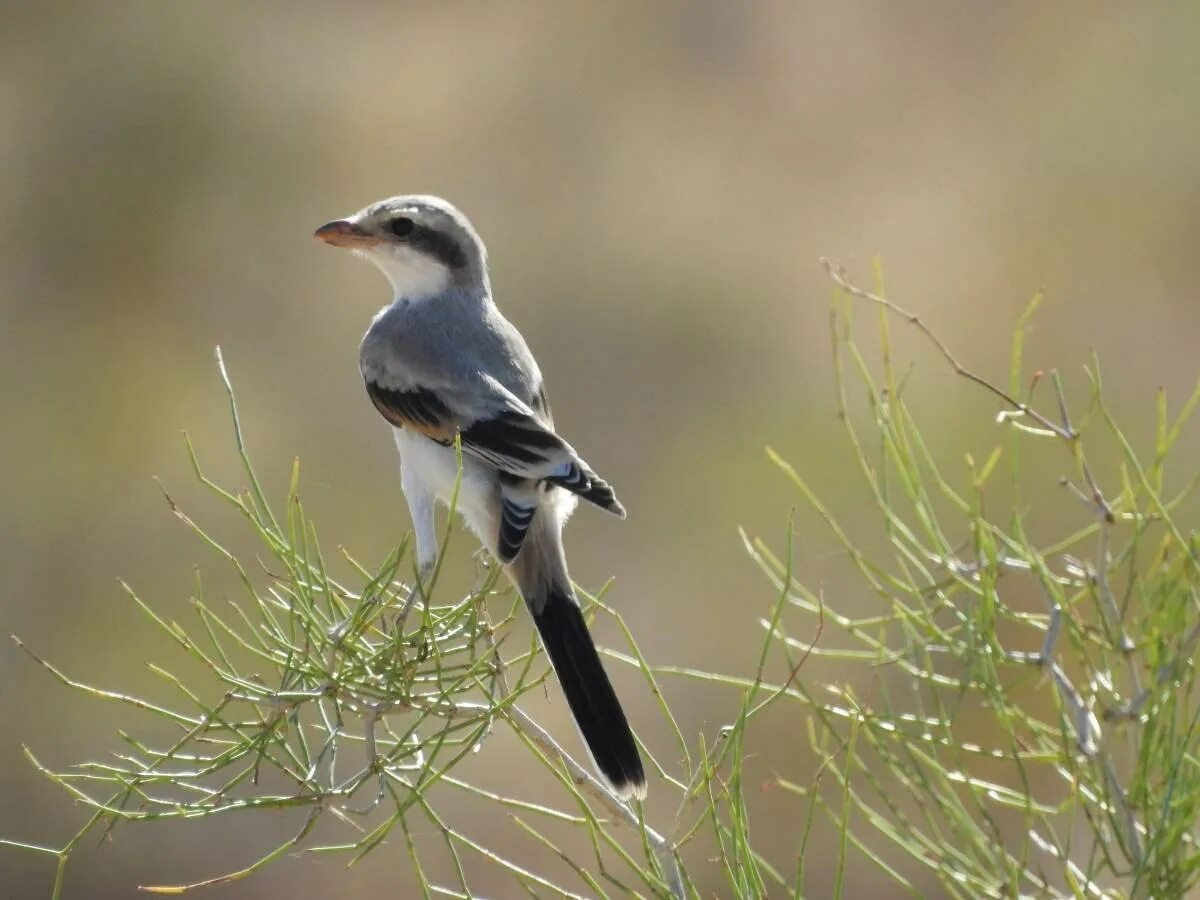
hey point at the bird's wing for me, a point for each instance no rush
(496, 427)
(517, 510)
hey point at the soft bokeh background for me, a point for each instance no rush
(655, 183)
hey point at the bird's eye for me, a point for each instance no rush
(400, 226)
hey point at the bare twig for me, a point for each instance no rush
(838, 274)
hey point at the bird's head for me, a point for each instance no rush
(422, 244)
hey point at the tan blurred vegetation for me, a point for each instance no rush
(655, 184)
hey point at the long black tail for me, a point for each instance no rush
(590, 694)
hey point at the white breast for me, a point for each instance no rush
(429, 468)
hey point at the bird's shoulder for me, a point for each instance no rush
(430, 339)
(513, 363)
(446, 345)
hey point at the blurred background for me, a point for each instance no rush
(656, 183)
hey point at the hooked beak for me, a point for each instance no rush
(344, 233)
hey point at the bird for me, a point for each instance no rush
(442, 365)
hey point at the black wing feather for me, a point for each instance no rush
(515, 520)
(514, 441)
(591, 487)
(417, 407)
(519, 437)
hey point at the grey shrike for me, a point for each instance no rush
(442, 361)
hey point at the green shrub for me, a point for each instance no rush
(1017, 716)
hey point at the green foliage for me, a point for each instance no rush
(351, 703)
(1016, 716)
(1092, 791)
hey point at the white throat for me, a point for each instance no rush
(414, 276)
